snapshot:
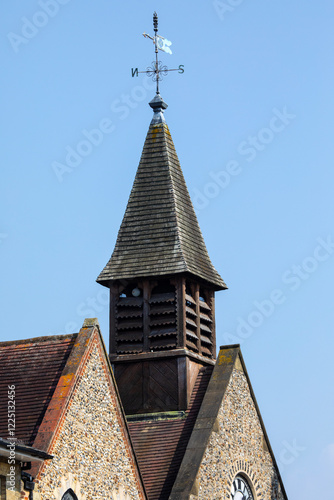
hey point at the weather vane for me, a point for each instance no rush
(157, 70)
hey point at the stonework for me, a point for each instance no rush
(237, 445)
(92, 453)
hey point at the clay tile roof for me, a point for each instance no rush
(160, 445)
(159, 234)
(34, 366)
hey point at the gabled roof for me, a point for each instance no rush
(206, 421)
(45, 371)
(159, 234)
(160, 444)
(65, 375)
(34, 367)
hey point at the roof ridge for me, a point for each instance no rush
(35, 340)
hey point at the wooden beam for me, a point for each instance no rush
(146, 312)
(198, 319)
(112, 319)
(180, 291)
(213, 324)
(182, 376)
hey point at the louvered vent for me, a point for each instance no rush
(192, 340)
(129, 322)
(156, 315)
(162, 317)
(205, 323)
(199, 320)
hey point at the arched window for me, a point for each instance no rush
(69, 495)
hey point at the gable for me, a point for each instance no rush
(229, 438)
(68, 406)
(90, 440)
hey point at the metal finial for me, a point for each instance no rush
(158, 70)
(155, 21)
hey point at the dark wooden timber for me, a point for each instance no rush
(153, 334)
(112, 319)
(146, 325)
(213, 318)
(198, 325)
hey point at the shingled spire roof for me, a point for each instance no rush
(159, 234)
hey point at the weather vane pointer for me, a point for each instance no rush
(157, 70)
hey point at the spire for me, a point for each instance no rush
(159, 234)
(161, 279)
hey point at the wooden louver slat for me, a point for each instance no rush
(205, 328)
(192, 346)
(206, 340)
(163, 331)
(205, 317)
(129, 313)
(162, 309)
(129, 335)
(190, 299)
(204, 305)
(130, 323)
(191, 334)
(130, 301)
(190, 322)
(162, 297)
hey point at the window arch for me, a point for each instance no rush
(242, 488)
(69, 495)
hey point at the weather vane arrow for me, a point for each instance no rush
(157, 70)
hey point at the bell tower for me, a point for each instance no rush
(162, 283)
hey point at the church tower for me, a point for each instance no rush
(161, 279)
(162, 284)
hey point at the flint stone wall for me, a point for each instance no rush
(237, 445)
(91, 451)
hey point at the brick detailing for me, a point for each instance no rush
(237, 447)
(91, 447)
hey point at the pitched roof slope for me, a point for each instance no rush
(34, 367)
(159, 234)
(160, 445)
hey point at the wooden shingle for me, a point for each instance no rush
(159, 234)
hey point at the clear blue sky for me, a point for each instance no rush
(252, 122)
